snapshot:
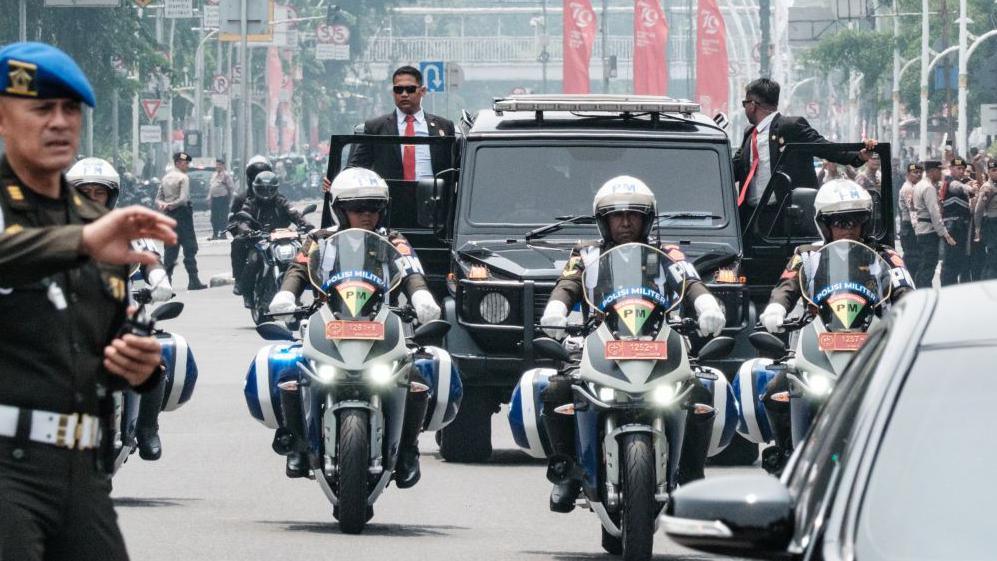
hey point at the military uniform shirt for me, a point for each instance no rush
(906, 203)
(927, 211)
(986, 205)
(174, 190)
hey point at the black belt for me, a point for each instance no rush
(923, 220)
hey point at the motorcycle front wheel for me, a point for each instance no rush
(354, 455)
(639, 506)
(263, 293)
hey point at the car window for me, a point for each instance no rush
(531, 184)
(931, 492)
(822, 452)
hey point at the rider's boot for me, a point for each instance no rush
(147, 425)
(561, 469)
(695, 445)
(294, 424)
(407, 471)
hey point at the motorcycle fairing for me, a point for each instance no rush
(445, 388)
(724, 403)
(632, 376)
(354, 355)
(526, 412)
(749, 386)
(273, 364)
(181, 370)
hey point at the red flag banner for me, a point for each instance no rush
(650, 44)
(579, 36)
(712, 77)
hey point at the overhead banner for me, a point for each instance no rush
(650, 47)
(579, 36)
(281, 126)
(712, 76)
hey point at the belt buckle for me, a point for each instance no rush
(62, 431)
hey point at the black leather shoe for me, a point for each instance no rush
(149, 445)
(196, 284)
(236, 290)
(407, 472)
(297, 466)
(563, 496)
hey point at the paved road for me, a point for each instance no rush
(219, 492)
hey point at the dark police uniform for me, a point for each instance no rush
(58, 310)
(985, 221)
(954, 198)
(174, 190)
(277, 213)
(570, 290)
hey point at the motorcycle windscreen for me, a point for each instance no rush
(846, 281)
(356, 270)
(635, 286)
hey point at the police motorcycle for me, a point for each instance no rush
(844, 285)
(631, 388)
(354, 367)
(275, 248)
(180, 373)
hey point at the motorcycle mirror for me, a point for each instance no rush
(169, 310)
(717, 347)
(309, 209)
(545, 347)
(273, 331)
(430, 332)
(769, 345)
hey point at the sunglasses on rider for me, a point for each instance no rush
(847, 221)
(399, 90)
(364, 206)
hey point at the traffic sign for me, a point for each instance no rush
(433, 75)
(220, 84)
(332, 42)
(813, 110)
(142, 3)
(236, 74)
(211, 13)
(988, 118)
(150, 134)
(151, 106)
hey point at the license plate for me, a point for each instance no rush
(849, 342)
(637, 350)
(371, 330)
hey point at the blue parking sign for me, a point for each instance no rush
(433, 76)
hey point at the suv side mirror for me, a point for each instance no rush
(800, 212)
(426, 196)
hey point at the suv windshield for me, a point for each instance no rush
(533, 184)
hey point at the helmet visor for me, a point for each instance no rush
(364, 205)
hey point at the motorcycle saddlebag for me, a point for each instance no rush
(525, 409)
(181, 370)
(273, 364)
(725, 405)
(749, 387)
(445, 388)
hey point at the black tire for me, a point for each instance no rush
(639, 509)
(354, 456)
(610, 544)
(468, 439)
(263, 293)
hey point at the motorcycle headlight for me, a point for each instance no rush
(819, 385)
(664, 395)
(284, 252)
(607, 394)
(327, 372)
(494, 307)
(380, 374)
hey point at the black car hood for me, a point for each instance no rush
(544, 260)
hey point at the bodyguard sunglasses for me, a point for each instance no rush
(399, 90)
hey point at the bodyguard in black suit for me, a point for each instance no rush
(392, 161)
(770, 131)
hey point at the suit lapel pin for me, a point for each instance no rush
(442, 133)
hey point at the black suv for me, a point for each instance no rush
(532, 161)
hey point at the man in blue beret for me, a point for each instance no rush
(64, 264)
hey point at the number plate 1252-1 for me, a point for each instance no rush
(370, 330)
(636, 350)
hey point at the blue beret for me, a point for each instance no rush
(37, 70)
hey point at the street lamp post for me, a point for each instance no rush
(895, 124)
(922, 150)
(199, 79)
(961, 136)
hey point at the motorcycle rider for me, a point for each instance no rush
(843, 211)
(97, 180)
(238, 256)
(359, 199)
(625, 210)
(267, 207)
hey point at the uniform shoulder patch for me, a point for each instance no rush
(893, 257)
(402, 245)
(573, 267)
(673, 252)
(15, 193)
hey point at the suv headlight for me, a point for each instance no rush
(494, 307)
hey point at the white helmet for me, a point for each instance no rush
(624, 194)
(841, 197)
(98, 171)
(358, 185)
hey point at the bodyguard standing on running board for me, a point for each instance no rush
(63, 272)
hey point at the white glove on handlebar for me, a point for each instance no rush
(283, 302)
(159, 284)
(772, 318)
(555, 315)
(426, 308)
(711, 316)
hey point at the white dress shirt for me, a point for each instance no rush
(423, 161)
(764, 172)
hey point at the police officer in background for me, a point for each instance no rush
(173, 198)
(63, 268)
(905, 206)
(985, 221)
(929, 229)
(955, 195)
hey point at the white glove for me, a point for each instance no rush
(711, 316)
(425, 306)
(555, 315)
(160, 285)
(772, 318)
(283, 302)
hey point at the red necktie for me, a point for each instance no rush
(408, 151)
(754, 167)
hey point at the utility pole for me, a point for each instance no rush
(245, 145)
(114, 125)
(922, 152)
(764, 26)
(544, 55)
(962, 138)
(895, 121)
(22, 19)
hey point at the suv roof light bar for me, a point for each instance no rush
(595, 103)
